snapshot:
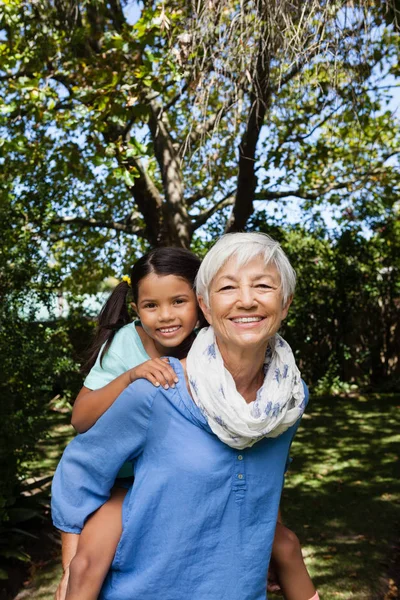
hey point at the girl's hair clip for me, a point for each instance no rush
(127, 279)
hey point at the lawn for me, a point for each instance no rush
(341, 497)
(342, 494)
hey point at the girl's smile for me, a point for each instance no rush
(167, 309)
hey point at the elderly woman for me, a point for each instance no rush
(209, 455)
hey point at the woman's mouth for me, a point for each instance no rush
(247, 322)
(246, 319)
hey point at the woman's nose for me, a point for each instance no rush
(246, 297)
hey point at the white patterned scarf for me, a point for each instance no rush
(280, 401)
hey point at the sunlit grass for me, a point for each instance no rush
(342, 494)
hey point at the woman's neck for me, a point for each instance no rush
(247, 369)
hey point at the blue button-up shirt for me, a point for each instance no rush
(199, 521)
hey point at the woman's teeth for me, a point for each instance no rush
(247, 319)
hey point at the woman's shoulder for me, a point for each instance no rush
(138, 397)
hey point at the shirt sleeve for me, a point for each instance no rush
(289, 459)
(90, 463)
(111, 367)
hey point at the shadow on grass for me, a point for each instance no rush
(33, 534)
(342, 493)
(49, 450)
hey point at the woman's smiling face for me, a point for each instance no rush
(246, 307)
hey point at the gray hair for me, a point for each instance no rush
(244, 247)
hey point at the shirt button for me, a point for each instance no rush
(240, 476)
(240, 457)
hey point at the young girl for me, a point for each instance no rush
(161, 291)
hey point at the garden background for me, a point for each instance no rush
(125, 126)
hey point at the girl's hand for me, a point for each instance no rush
(157, 370)
(272, 581)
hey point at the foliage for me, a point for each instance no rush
(344, 320)
(36, 360)
(27, 535)
(192, 119)
(121, 135)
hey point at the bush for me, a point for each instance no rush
(36, 361)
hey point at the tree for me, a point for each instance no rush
(118, 136)
(346, 309)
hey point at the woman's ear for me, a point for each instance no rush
(204, 309)
(286, 307)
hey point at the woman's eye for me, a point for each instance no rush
(226, 288)
(264, 286)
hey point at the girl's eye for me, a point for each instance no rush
(179, 301)
(149, 305)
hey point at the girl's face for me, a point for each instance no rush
(167, 308)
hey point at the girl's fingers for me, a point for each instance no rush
(167, 371)
(152, 378)
(164, 377)
(156, 376)
(170, 376)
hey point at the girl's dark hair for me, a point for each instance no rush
(115, 313)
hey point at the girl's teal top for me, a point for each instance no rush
(126, 351)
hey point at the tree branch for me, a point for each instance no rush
(260, 101)
(247, 180)
(175, 99)
(9, 76)
(117, 14)
(316, 193)
(203, 217)
(126, 227)
(147, 198)
(205, 127)
(175, 215)
(301, 138)
(203, 193)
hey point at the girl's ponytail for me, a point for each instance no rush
(112, 317)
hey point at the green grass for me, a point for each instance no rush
(45, 569)
(341, 497)
(342, 494)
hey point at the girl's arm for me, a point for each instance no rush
(91, 404)
(70, 543)
(88, 468)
